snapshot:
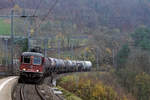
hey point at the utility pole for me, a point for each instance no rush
(84, 55)
(12, 40)
(58, 47)
(97, 59)
(28, 35)
(45, 47)
(113, 54)
(72, 50)
(6, 51)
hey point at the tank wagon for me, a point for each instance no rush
(35, 65)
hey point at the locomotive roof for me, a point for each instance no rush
(32, 54)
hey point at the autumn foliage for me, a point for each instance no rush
(89, 87)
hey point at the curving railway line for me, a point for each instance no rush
(10, 89)
(28, 92)
(39, 93)
(22, 97)
(24, 91)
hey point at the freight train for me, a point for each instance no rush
(34, 65)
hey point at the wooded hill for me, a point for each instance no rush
(122, 14)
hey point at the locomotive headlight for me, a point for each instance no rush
(37, 70)
(24, 69)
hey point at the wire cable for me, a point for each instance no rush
(13, 2)
(38, 6)
(49, 11)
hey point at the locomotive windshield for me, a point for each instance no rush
(37, 60)
(26, 59)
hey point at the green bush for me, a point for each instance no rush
(142, 86)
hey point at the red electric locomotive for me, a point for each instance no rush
(31, 65)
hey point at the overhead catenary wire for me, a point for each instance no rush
(49, 11)
(37, 7)
(12, 4)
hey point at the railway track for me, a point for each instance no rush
(28, 92)
(25, 91)
(22, 97)
(39, 93)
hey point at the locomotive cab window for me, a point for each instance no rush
(26, 59)
(37, 61)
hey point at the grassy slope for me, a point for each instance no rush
(4, 27)
(68, 95)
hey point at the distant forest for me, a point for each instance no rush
(123, 14)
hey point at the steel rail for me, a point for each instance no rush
(39, 93)
(22, 97)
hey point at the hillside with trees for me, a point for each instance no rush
(117, 42)
(125, 15)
